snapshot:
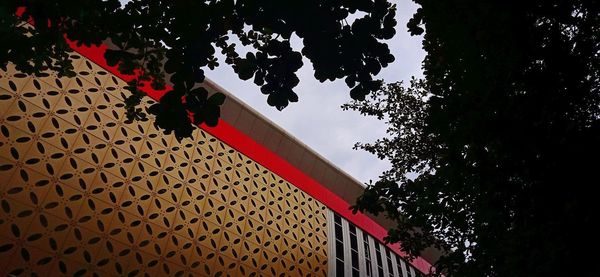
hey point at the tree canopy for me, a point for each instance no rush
(495, 152)
(342, 39)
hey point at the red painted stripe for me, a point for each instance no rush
(260, 154)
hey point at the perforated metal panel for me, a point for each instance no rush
(83, 191)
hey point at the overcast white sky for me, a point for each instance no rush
(317, 119)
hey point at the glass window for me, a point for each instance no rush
(353, 247)
(338, 231)
(339, 246)
(339, 249)
(379, 261)
(337, 219)
(339, 268)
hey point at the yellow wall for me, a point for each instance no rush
(84, 191)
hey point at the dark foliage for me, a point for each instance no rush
(187, 34)
(495, 154)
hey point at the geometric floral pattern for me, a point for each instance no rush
(83, 191)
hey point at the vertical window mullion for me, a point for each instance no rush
(362, 259)
(372, 245)
(412, 272)
(384, 263)
(368, 251)
(403, 265)
(395, 265)
(389, 262)
(347, 258)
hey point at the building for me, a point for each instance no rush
(85, 192)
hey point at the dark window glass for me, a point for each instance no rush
(352, 228)
(355, 259)
(389, 262)
(338, 232)
(379, 261)
(378, 253)
(355, 272)
(337, 219)
(339, 268)
(339, 249)
(353, 241)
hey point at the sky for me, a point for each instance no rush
(317, 119)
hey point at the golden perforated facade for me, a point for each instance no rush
(85, 192)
